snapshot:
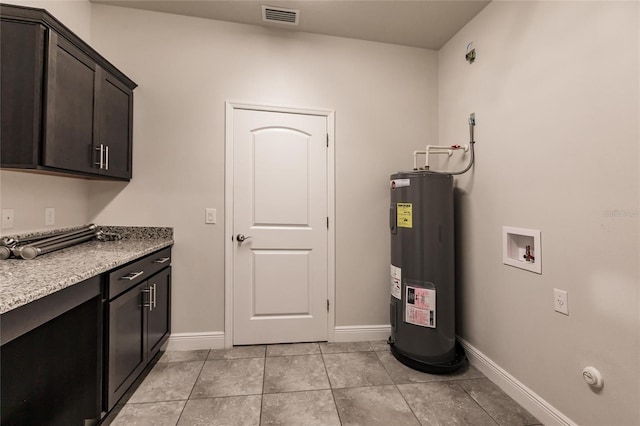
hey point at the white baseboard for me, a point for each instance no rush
(215, 340)
(195, 341)
(524, 396)
(361, 333)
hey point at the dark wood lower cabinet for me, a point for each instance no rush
(51, 374)
(159, 315)
(126, 352)
(139, 324)
(67, 358)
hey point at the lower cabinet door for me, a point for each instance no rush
(127, 341)
(158, 322)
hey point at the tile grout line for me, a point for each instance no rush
(333, 396)
(395, 385)
(193, 387)
(477, 403)
(496, 420)
(264, 375)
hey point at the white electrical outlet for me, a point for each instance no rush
(7, 218)
(210, 216)
(561, 301)
(49, 216)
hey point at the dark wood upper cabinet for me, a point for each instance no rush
(69, 108)
(114, 106)
(21, 54)
(65, 109)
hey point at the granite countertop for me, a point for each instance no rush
(23, 281)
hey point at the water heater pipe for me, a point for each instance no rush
(440, 149)
(436, 149)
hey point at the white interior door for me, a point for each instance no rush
(280, 207)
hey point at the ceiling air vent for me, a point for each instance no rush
(280, 15)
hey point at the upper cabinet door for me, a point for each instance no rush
(69, 130)
(21, 73)
(114, 112)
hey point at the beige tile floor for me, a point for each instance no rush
(358, 383)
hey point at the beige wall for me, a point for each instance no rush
(75, 14)
(29, 194)
(554, 83)
(385, 100)
(556, 93)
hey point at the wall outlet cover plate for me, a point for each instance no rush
(7, 218)
(561, 301)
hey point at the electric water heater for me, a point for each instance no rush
(422, 310)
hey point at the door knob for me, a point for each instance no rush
(240, 237)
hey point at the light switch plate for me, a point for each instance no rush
(210, 216)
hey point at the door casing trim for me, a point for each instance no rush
(230, 107)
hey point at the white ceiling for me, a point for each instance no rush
(420, 23)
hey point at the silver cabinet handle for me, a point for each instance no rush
(162, 260)
(152, 289)
(155, 295)
(144, 303)
(100, 164)
(240, 237)
(131, 276)
(106, 157)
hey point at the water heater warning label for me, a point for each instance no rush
(420, 307)
(405, 215)
(396, 279)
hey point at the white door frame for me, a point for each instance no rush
(228, 211)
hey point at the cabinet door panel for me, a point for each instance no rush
(21, 72)
(114, 111)
(69, 132)
(158, 325)
(127, 344)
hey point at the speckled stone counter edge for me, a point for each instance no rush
(125, 232)
(23, 281)
(139, 232)
(43, 233)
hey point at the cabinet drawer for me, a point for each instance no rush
(129, 276)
